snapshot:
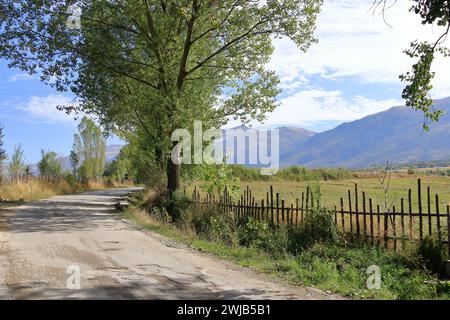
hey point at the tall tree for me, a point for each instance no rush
(17, 164)
(75, 155)
(90, 147)
(49, 166)
(3, 155)
(152, 66)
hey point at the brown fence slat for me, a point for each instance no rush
(394, 227)
(429, 211)
(291, 214)
(371, 220)
(438, 218)
(411, 222)
(419, 199)
(271, 205)
(448, 229)
(402, 221)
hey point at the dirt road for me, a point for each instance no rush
(41, 240)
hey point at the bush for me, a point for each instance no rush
(254, 233)
(258, 234)
(433, 253)
(319, 227)
(174, 205)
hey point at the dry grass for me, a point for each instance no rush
(36, 189)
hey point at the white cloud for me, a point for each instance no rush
(19, 77)
(313, 106)
(353, 41)
(45, 108)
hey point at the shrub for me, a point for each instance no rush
(258, 234)
(254, 233)
(433, 253)
(174, 205)
(318, 227)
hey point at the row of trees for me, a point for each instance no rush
(87, 157)
(145, 68)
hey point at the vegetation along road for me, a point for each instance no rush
(42, 245)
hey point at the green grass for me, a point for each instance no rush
(333, 190)
(335, 268)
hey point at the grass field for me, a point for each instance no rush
(333, 190)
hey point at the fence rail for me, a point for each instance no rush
(356, 215)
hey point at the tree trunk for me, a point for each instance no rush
(173, 175)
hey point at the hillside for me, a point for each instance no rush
(395, 135)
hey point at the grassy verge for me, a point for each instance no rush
(36, 189)
(336, 268)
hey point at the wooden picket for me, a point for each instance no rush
(361, 221)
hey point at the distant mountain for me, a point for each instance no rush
(395, 135)
(111, 152)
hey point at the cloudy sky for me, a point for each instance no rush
(350, 73)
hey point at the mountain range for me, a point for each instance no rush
(395, 135)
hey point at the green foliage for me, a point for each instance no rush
(418, 80)
(49, 165)
(295, 173)
(3, 155)
(411, 171)
(146, 68)
(17, 164)
(319, 227)
(74, 161)
(89, 145)
(215, 178)
(433, 253)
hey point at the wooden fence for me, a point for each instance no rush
(356, 216)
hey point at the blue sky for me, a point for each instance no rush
(350, 73)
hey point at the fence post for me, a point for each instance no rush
(364, 216)
(350, 213)
(307, 199)
(261, 215)
(278, 207)
(448, 229)
(302, 208)
(402, 221)
(438, 218)
(371, 220)
(386, 228)
(342, 216)
(271, 205)
(357, 213)
(394, 227)
(430, 231)
(419, 199)
(378, 225)
(292, 214)
(411, 234)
